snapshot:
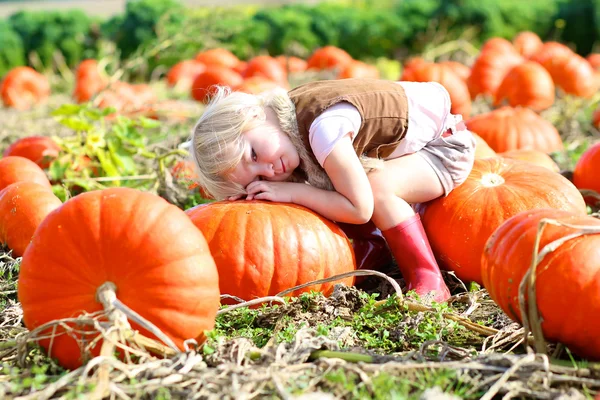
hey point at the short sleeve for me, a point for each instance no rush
(332, 125)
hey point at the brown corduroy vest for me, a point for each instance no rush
(382, 105)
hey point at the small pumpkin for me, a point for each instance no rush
(527, 43)
(292, 64)
(24, 87)
(149, 249)
(573, 74)
(459, 224)
(89, 80)
(328, 57)
(202, 87)
(511, 128)
(456, 87)
(585, 174)
(459, 69)
(533, 156)
(596, 118)
(489, 70)
(528, 85)
(566, 280)
(19, 169)
(182, 74)
(23, 206)
(256, 84)
(498, 44)
(266, 67)
(39, 149)
(219, 57)
(358, 69)
(262, 248)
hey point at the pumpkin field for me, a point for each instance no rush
(121, 278)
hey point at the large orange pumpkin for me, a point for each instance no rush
(459, 224)
(359, 69)
(149, 249)
(262, 248)
(18, 169)
(567, 285)
(510, 128)
(458, 68)
(292, 64)
(444, 75)
(24, 87)
(498, 44)
(39, 149)
(586, 173)
(23, 206)
(528, 85)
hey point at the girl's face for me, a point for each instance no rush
(268, 155)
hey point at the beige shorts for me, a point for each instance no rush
(451, 158)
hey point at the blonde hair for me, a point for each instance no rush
(217, 145)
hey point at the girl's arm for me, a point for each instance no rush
(351, 202)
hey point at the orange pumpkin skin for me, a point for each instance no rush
(39, 149)
(527, 43)
(266, 67)
(573, 74)
(292, 64)
(256, 84)
(456, 87)
(23, 206)
(24, 87)
(489, 70)
(567, 283)
(262, 248)
(458, 68)
(594, 60)
(184, 72)
(202, 87)
(328, 57)
(18, 169)
(585, 174)
(510, 128)
(218, 57)
(498, 44)
(533, 156)
(359, 69)
(89, 81)
(497, 188)
(528, 85)
(158, 260)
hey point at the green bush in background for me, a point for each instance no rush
(366, 29)
(12, 53)
(45, 33)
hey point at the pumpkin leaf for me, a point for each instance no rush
(75, 123)
(57, 170)
(66, 110)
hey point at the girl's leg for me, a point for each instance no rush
(404, 180)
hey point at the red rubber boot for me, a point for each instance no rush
(416, 261)
(370, 248)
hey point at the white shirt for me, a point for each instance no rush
(428, 117)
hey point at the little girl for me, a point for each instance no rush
(352, 150)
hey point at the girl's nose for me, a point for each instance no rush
(268, 170)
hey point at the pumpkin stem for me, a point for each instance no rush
(491, 180)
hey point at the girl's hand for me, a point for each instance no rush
(271, 191)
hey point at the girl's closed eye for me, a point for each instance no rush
(253, 155)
